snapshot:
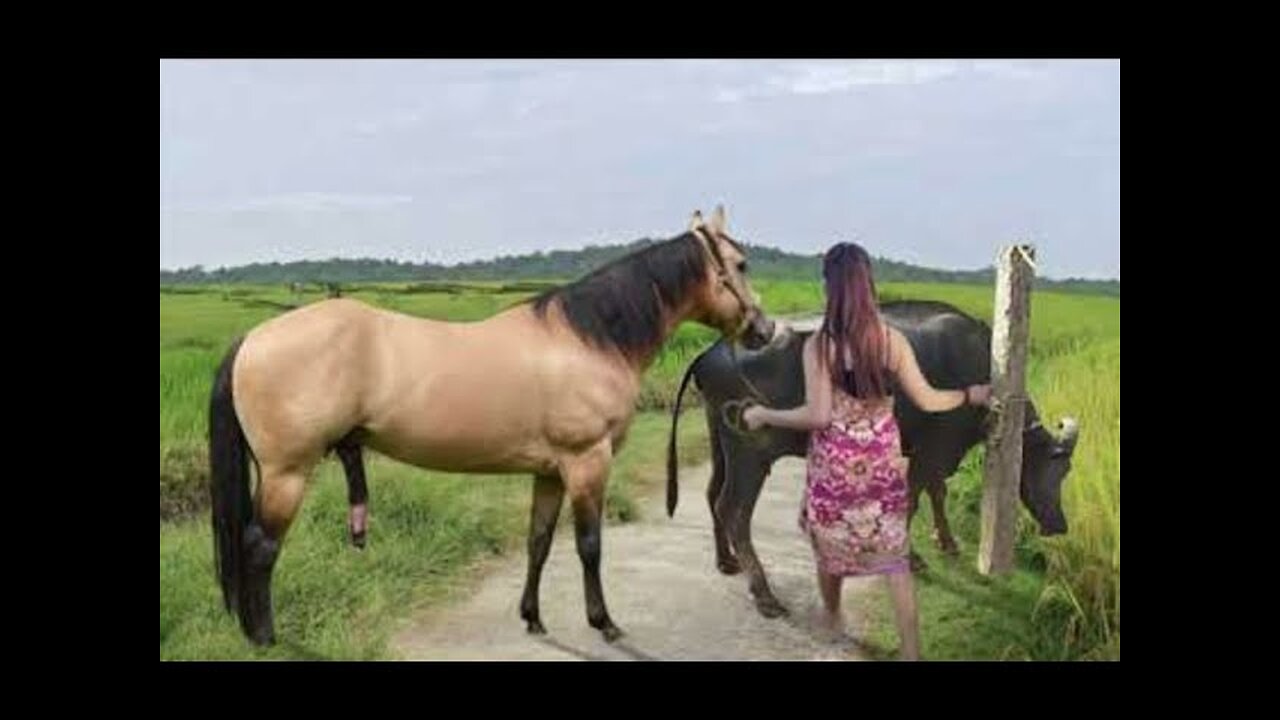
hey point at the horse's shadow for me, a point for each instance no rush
(621, 645)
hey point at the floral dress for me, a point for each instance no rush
(855, 499)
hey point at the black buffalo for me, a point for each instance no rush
(953, 350)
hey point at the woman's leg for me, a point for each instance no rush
(829, 586)
(902, 589)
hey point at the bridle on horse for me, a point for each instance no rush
(722, 275)
(731, 412)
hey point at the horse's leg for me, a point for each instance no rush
(584, 479)
(548, 496)
(748, 473)
(279, 497)
(357, 490)
(726, 562)
(941, 528)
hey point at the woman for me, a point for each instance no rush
(855, 500)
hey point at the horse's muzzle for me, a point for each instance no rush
(760, 331)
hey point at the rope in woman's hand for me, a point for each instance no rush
(732, 412)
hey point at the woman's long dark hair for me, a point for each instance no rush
(853, 321)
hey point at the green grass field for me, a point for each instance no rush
(1063, 601)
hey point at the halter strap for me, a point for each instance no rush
(722, 272)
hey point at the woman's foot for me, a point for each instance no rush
(830, 626)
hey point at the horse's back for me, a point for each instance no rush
(506, 392)
(300, 378)
(309, 337)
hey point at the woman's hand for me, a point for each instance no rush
(978, 395)
(753, 417)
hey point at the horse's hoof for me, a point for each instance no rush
(610, 633)
(358, 540)
(535, 628)
(771, 608)
(728, 566)
(264, 637)
(951, 550)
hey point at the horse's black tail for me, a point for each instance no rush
(673, 491)
(229, 489)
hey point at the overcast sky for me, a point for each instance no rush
(933, 162)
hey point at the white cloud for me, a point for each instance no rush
(1011, 69)
(318, 201)
(823, 79)
(286, 227)
(813, 78)
(401, 120)
(462, 159)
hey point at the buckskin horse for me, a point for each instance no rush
(546, 387)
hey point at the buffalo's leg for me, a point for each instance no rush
(747, 474)
(726, 561)
(941, 528)
(913, 504)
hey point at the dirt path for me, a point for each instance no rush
(662, 589)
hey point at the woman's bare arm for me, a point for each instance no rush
(815, 414)
(902, 363)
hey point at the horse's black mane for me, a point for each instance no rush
(621, 306)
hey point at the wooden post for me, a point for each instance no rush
(1002, 470)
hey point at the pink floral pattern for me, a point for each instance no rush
(855, 499)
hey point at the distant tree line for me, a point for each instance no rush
(766, 262)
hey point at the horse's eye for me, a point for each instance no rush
(742, 267)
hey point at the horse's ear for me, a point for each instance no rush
(696, 221)
(718, 221)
